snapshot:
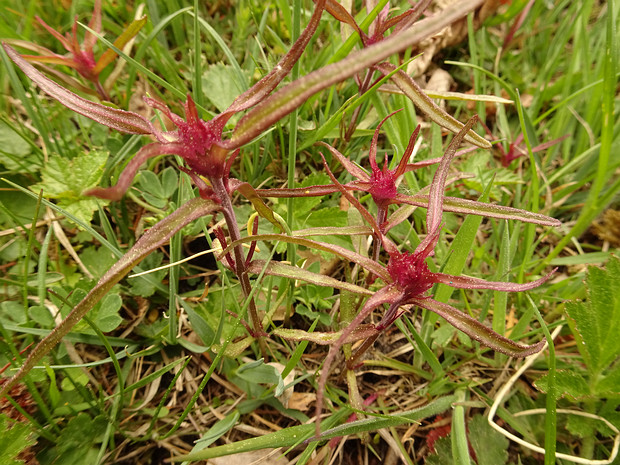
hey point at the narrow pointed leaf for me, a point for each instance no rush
(29, 46)
(292, 96)
(121, 120)
(466, 282)
(438, 186)
(476, 330)
(310, 191)
(389, 421)
(322, 338)
(286, 437)
(293, 272)
(351, 167)
(365, 262)
(62, 39)
(117, 191)
(334, 231)
(261, 208)
(51, 60)
(262, 88)
(341, 14)
(154, 238)
(415, 93)
(109, 55)
(95, 24)
(472, 207)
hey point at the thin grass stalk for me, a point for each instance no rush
(533, 189)
(291, 249)
(551, 400)
(500, 299)
(197, 49)
(28, 254)
(460, 446)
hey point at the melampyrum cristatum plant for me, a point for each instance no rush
(209, 148)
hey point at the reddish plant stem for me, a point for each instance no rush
(364, 86)
(220, 191)
(382, 211)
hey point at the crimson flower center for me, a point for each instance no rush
(86, 63)
(382, 185)
(410, 273)
(198, 138)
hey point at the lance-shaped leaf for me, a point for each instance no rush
(154, 238)
(450, 204)
(259, 205)
(375, 423)
(438, 186)
(262, 88)
(322, 338)
(473, 207)
(367, 263)
(292, 96)
(286, 437)
(128, 34)
(117, 191)
(121, 120)
(412, 90)
(333, 231)
(476, 330)
(467, 282)
(294, 272)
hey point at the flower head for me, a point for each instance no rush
(408, 279)
(81, 57)
(382, 183)
(410, 273)
(381, 24)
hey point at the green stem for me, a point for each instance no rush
(551, 401)
(291, 249)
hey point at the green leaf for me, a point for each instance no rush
(294, 435)
(443, 452)
(12, 143)
(610, 384)
(567, 383)
(41, 315)
(258, 372)
(65, 180)
(97, 260)
(128, 34)
(77, 440)
(107, 318)
(150, 183)
(221, 88)
(73, 376)
(15, 152)
(323, 338)
(490, 446)
(14, 438)
(220, 428)
(199, 323)
(303, 205)
(595, 323)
